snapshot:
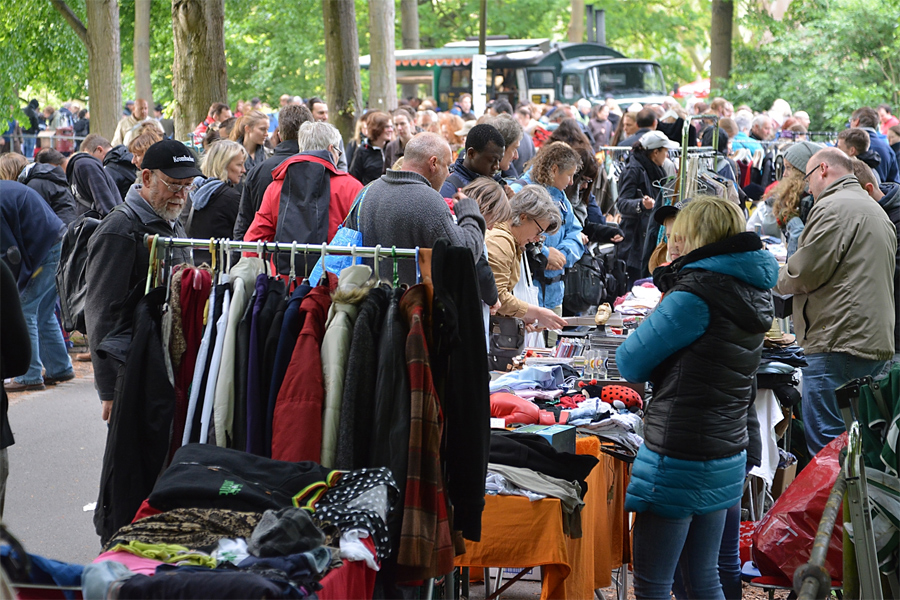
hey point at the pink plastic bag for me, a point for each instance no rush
(784, 538)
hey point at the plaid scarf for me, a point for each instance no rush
(426, 548)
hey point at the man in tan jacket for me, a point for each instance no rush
(842, 279)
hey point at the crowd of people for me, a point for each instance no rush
(517, 180)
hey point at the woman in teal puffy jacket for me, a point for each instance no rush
(701, 349)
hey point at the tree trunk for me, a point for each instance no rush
(576, 23)
(342, 84)
(101, 38)
(142, 87)
(199, 77)
(409, 23)
(383, 80)
(720, 42)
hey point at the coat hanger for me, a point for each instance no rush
(324, 279)
(212, 253)
(396, 280)
(418, 268)
(377, 257)
(152, 240)
(293, 273)
(228, 254)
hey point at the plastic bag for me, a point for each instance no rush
(784, 539)
(527, 291)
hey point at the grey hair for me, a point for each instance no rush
(508, 127)
(314, 135)
(758, 120)
(744, 120)
(218, 156)
(422, 147)
(535, 202)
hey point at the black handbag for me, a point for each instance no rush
(506, 336)
(585, 284)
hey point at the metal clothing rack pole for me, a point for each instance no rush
(278, 247)
(685, 148)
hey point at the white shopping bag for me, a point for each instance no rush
(527, 291)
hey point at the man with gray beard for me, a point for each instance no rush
(118, 258)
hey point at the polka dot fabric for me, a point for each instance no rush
(361, 500)
(625, 395)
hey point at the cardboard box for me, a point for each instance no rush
(532, 574)
(561, 437)
(783, 478)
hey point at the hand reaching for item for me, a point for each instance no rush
(556, 260)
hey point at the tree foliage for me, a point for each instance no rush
(443, 21)
(828, 57)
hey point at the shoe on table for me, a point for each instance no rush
(15, 386)
(83, 357)
(54, 380)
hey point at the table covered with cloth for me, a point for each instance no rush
(519, 533)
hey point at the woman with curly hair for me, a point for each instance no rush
(554, 168)
(791, 190)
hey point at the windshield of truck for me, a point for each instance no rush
(640, 79)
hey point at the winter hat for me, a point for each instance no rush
(625, 395)
(799, 154)
(287, 531)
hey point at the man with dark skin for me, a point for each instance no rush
(484, 152)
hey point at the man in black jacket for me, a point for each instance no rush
(31, 128)
(290, 118)
(46, 177)
(119, 163)
(118, 258)
(93, 188)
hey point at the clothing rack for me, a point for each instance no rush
(685, 148)
(279, 247)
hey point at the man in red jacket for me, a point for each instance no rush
(308, 198)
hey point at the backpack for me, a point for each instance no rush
(585, 284)
(71, 272)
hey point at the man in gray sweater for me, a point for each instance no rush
(404, 209)
(118, 258)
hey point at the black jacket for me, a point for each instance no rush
(93, 187)
(255, 183)
(368, 163)
(701, 394)
(634, 183)
(119, 241)
(15, 345)
(50, 182)
(33, 121)
(213, 218)
(138, 439)
(117, 163)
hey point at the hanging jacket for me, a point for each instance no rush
(269, 292)
(92, 186)
(50, 182)
(117, 163)
(139, 427)
(300, 400)
(308, 200)
(336, 350)
(28, 230)
(362, 369)
(255, 183)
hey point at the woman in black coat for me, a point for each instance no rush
(637, 197)
(212, 208)
(368, 160)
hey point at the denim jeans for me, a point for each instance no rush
(827, 371)
(660, 543)
(48, 350)
(729, 560)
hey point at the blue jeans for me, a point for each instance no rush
(661, 542)
(826, 372)
(729, 560)
(48, 350)
(28, 145)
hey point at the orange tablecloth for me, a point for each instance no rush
(517, 533)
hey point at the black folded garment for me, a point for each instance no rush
(206, 476)
(531, 451)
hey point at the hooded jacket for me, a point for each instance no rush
(842, 275)
(28, 230)
(255, 183)
(213, 210)
(119, 241)
(93, 187)
(306, 202)
(890, 202)
(50, 182)
(701, 349)
(887, 170)
(117, 163)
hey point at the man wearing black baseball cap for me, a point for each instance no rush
(118, 259)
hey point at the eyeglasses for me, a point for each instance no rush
(177, 189)
(805, 177)
(540, 229)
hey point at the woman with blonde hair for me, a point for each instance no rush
(790, 192)
(491, 199)
(251, 131)
(11, 164)
(212, 207)
(701, 349)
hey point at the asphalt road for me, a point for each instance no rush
(55, 470)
